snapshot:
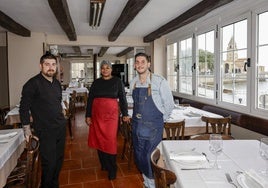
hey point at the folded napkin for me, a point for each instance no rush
(187, 157)
(8, 135)
(192, 114)
(262, 181)
(190, 160)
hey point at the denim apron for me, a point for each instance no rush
(147, 128)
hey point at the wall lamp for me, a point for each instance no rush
(96, 9)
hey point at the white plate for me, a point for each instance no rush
(246, 182)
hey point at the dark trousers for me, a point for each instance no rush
(108, 162)
(52, 144)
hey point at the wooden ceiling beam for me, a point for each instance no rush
(197, 11)
(102, 51)
(132, 8)
(61, 11)
(12, 26)
(124, 52)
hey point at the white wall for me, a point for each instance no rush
(23, 62)
(159, 57)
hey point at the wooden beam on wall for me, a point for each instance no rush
(12, 26)
(103, 50)
(132, 8)
(124, 52)
(61, 11)
(197, 11)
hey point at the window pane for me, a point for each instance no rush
(172, 66)
(185, 66)
(263, 29)
(206, 61)
(234, 56)
(262, 64)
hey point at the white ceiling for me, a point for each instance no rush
(37, 16)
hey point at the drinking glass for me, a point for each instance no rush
(177, 102)
(264, 154)
(215, 147)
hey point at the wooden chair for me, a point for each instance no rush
(3, 113)
(174, 130)
(69, 115)
(27, 172)
(163, 177)
(126, 132)
(218, 125)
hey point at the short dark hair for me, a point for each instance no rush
(47, 55)
(143, 55)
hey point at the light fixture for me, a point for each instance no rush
(96, 9)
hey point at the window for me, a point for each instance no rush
(233, 58)
(172, 66)
(131, 71)
(78, 70)
(185, 66)
(262, 64)
(206, 65)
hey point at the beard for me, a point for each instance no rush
(50, 73)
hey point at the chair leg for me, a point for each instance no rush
(130, 153)
(124, 149)
(70, 127)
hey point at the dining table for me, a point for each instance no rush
(240, 164)
(12, 144)
(192, 116)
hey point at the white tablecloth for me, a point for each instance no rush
(10, 152)
(238, 155)
(191, 115)
(77, 89)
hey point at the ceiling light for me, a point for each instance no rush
(96, 9)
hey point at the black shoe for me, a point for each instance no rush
(112, 176)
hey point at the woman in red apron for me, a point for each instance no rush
(102, 116)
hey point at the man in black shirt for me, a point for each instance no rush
(41, 99)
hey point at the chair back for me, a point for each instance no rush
(174, 130)
(218, 125)
(28, 173)
(162, 177)
(126, 132)
(3, 113)
(33, 163)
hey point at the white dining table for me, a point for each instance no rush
(12, 144)
(192, 116)
(77, 89)
(238, 156)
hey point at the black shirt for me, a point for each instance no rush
(42, 99)
(112, 88)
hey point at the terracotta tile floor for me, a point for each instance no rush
(81, 168)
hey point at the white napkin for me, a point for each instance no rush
(192, 114)
(262, 181)
(8, 135)
(189, 160)
(187, 157)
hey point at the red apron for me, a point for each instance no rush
(104, 125)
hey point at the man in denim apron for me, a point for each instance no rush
(153, 102)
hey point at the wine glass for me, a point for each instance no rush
(264, 154)
(215, 147)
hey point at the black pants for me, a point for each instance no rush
(108, 162)
(52, 144)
